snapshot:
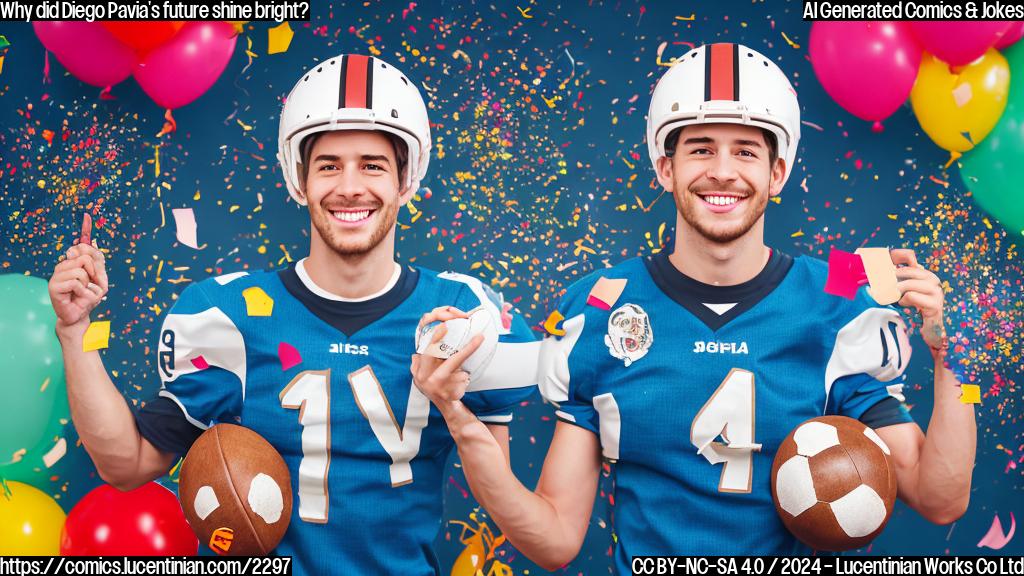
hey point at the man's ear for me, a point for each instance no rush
(777, 175)
(664, 173)
(405, 193)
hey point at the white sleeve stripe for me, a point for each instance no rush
(514, 365)
(497, 419)
(193, 421)
(553, 369)
(210, 334)
(874, 343)
(609, 423)
(565, 416)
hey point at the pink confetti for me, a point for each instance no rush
(995, 539)
(290, 357)
(845, 274)
(200, 363)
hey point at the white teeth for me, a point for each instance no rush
(721, 200)
(351, 216)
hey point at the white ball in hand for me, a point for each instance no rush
(460, 331)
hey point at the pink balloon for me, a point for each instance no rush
(182, 69)
(868, 68)
(1011, 35)
(958, 43)
(87, 50)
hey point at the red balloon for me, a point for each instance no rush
(181, 70)
(143, 36)
(868, 68)
(147, 521)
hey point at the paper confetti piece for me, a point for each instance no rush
(551, 324)
(606, 292)
(59, 450)
(881, 275)
(185, 221)
(257, 303)
(200, 363)
(279, 38)
(970, 394)
(994, 538)
(845, 274)
(289, 356)
(962, 94)
(97, 336)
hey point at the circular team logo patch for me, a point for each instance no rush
(629, 333)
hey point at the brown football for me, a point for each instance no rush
(833, 483)
(236, 492)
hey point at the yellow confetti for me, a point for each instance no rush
(690, 18)
(279, 38)
(970, 394)
(257, 302)
(525, 13)
(551, 324)
(97, 336)
(790, 42)
(797, 234)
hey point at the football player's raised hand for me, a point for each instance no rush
(921, 289)
(443, 381)
(78, 283)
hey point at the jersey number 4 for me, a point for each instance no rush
(729, 414)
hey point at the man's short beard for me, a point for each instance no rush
(321, 220)
(686, 205)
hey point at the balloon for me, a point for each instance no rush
(87, 50)
(958, 43)
(868, 68)
(143, 36)
(958, 110)
(30, 522)
(181, 70)
(1011, 35)
(34, 394)
(994, 170)
(146, 521)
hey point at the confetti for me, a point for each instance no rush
(279, 38)
(881, 274)
(289, 356)
(606, 292)
(551, 324)
(970, 394)
(257, 302)
(995, 538)
(845, 274)
(185, 222)
(97, 336)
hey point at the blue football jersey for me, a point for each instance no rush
(327, 382)
(691, 388)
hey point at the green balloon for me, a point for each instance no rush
(994, 169)
(33, 397)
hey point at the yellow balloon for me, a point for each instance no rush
(959, 107)
(30, 522)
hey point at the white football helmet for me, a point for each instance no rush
(725, 83)
(353, 92)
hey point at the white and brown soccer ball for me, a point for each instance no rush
(833, 483)
(235, 490)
